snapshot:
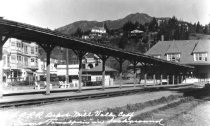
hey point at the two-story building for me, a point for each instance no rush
(42, 69)
(20, 60)
(99, 31)
(190, 52)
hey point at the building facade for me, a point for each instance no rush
(98, 31)
(190, 52)
(42, 70)
(20, 60)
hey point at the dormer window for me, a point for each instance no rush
(200, 56)
(173, 57)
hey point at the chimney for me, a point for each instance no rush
(162, 37)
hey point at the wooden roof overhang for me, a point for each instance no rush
(39, 35)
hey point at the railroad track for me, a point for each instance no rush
(41, 101)
(87, 96)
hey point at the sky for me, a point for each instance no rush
(56, 13)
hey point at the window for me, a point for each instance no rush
(13, 57)
(32, 59)
(12, 43)
(98, 78)
(26, 61)
(200, 56)
(173, 57)
(8, 60)
(36, 49)
(32, 50)
(25, 49)
(19, 58)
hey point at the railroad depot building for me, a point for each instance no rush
(189, 52)
(91, 75)
(20, 60)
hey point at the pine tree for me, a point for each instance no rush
(153, 25)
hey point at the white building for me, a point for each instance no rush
(98, 31)
(42, 69)
(91, 60)
(20, 60)
(188, 52)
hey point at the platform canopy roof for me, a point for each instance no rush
(40, 35)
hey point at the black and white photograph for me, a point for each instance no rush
(104, 63)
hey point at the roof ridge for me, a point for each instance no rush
(194, 47)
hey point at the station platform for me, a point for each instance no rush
(38, 96)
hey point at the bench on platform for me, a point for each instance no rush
(38, 85)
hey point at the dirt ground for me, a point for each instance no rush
(198, 116)
(11, 116)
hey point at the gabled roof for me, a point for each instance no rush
(173, 48)
(99, 69)
(90, 55)
(202, 46)
(137, 31)
(159, 49)
(185, 47)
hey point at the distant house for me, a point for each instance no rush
(161, 20)
(98, 32)
(136, 33)
(189, 52)
(94, 75)
(85, 37)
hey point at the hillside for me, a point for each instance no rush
(196, 36)
(111, 24)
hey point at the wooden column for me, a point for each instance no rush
(80, 55)
(103, 58)
(2, 41)
(154, 80)
(134, 72)
(181, 78)
(167, 79)
(178, 79)
(80, 74)
(1, 69)
(48, 49)
(67, 66)
(173, 79)
(185, 79)
(145, 79)
(161, 79)
(120, 61)
(48, 72)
